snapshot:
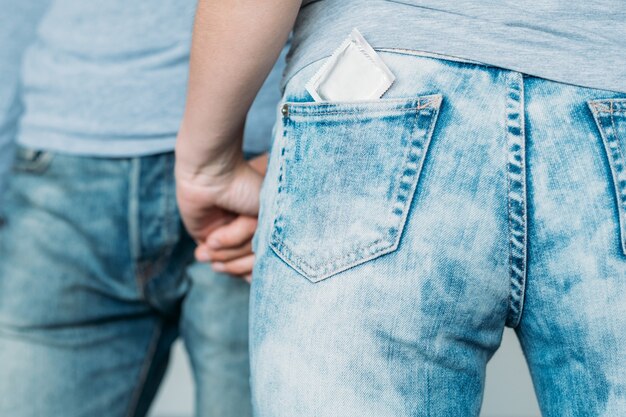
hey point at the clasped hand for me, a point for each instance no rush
(219, 205)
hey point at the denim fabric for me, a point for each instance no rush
(398, 237)
(96, 282)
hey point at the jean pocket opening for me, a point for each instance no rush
(347, 176)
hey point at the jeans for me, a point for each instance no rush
(398, 237)
(97, 280)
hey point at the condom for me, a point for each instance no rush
(354, 72)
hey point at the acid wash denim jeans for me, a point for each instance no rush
(97, 280)
(398, 238)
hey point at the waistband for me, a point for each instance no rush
(322, 26)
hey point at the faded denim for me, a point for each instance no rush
(398, 237)
(97, 280)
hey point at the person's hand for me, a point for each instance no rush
(229, 248)
(218, 206)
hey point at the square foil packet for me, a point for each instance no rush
(354, 72)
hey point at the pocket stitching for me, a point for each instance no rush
(286, 254)
(326, 108)
(419, 141)
(622, 190)
(363, 254)
(617, 163)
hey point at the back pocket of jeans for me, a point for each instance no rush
(347, 175)
(610, 117)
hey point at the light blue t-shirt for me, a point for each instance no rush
(581, 42)
(17, 29)
(109, 79)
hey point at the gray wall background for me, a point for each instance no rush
(508, 393)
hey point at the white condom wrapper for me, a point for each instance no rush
(354, 72)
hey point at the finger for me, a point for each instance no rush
(248, 278)
(240, 267)
(232, 235)
(200, 219)
(216, 221)
(225, 255)
(203, 253)
(260, 163)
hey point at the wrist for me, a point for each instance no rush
(201, 155)
(207, 171)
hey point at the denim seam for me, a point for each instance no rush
(318, 109)
(618, 106)
(622, 195)
(149, 269)
(357, 257)
(509, 210)
(317, 272)
(133, 220)
(143, 373)
(165, 230)
(617, 135)
(369, 113)
(171, 213)
(599, 107)
(516, 189)
(615, 158)
(168, 229)
(277, 224)
(409, 173)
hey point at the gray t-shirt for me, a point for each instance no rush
(109, 79)
(580, 42)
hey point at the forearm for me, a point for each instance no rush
(235, 44)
